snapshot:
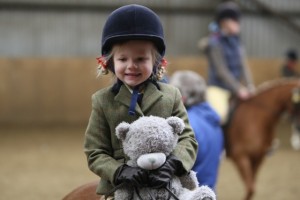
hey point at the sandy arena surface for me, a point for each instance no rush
(47, 163)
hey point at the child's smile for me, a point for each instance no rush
(133, 62)
(132, 75)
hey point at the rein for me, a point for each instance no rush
(110, 193)
(136, 191)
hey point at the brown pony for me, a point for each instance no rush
(251, 130)
(249, 134)
(84, 192)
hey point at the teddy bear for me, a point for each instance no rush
(147, 142)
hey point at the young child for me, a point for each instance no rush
(133, 48)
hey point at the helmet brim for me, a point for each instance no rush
(157, 41)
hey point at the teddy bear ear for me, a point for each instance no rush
(176, 123)
(121, 130)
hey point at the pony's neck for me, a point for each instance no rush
(275, 100)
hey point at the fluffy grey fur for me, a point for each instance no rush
(151, 135)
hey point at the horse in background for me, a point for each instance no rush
(250, 132)
(84, 192)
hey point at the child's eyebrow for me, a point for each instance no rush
(121, 54)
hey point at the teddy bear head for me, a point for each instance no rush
(148, 140)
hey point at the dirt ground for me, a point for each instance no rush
(47, 163)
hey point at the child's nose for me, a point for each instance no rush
(132, 64)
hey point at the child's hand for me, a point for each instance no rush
(244, 93)
(131, 175)
(161, 177)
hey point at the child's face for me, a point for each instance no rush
(230, 26)
(133, 61)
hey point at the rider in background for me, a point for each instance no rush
(227, 61)
(289, 67)
(289, 70)
(205, 123)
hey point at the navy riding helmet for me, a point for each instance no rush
(132, 22)
(228, 10)
(292, 54)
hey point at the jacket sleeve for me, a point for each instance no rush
(221, 69)
(97, 144)
(186, 149)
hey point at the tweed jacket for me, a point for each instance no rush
(104, 151)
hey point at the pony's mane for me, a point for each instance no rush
(275, 83)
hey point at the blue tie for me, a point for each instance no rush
(134, 99)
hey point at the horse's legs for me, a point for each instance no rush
(244, 166)
(255, 165)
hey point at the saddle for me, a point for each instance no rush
(233, 105)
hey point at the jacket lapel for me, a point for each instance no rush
(151, 96)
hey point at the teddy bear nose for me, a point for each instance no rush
(152, 161)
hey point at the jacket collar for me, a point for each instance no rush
(151, 96)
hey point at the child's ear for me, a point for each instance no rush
(121, 130)
(176, 123)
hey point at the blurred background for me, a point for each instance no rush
(48, 73)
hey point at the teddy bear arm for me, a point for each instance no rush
(123, 193)
(189, 181)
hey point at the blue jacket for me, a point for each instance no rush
(231, 50)
(206, 125)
